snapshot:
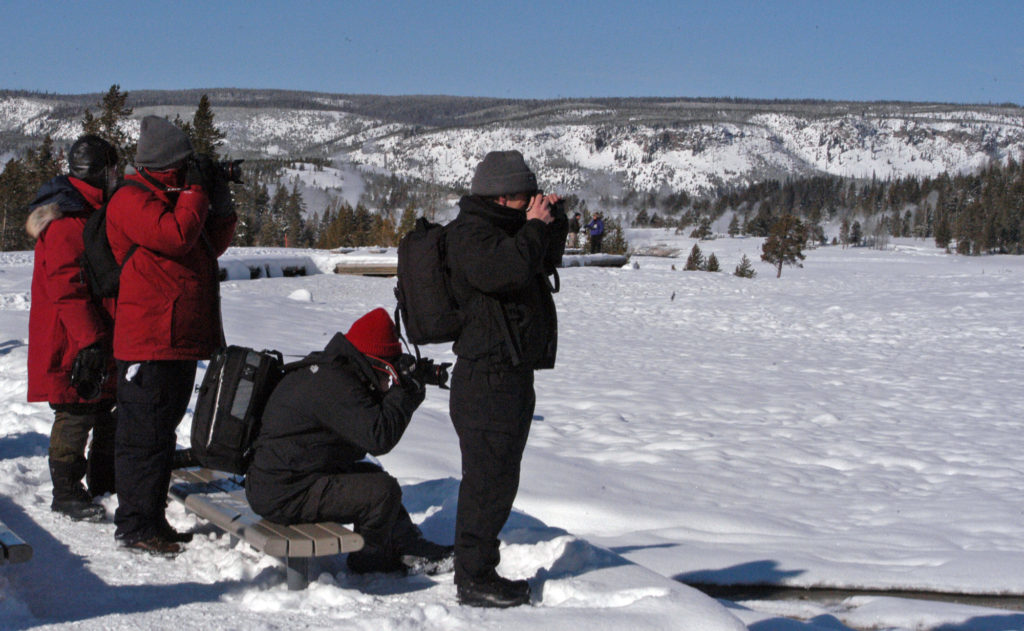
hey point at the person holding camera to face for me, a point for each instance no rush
(69, 329)
(506, 241)
(167, 235)
(355, 397)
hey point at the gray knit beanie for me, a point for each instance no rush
(161, 144)
(503, 173)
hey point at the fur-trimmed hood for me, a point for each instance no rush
(59, 197)
(40, 218)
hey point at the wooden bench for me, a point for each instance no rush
(219, 498)
(12, 548)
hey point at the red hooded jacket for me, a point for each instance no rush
(168, 304)
(63, 318)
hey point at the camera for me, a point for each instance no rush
(230, 170)
(558, 210)
(210, 172)
(425, 371)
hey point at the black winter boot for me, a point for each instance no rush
(426, 557)
(69, 496)
(369, 562)
(493, 591)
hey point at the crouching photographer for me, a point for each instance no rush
(355, 398)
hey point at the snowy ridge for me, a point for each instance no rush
(696, 147)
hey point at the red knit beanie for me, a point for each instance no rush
(374, 334)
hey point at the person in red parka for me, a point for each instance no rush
(168, 239)
(67, 324)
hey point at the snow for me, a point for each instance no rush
(852, 424)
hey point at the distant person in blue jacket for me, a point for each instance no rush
(596, 230)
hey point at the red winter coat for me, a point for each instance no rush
(63, 318)
(168, 304)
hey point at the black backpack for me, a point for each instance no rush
(229, 407)
(99, 267)
(426, 304)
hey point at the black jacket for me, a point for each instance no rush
(320, 420)
(499, 264)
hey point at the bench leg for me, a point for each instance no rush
(298, 572)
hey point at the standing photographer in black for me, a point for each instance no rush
(355, 397)
(501, 249)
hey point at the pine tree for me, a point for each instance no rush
(614, 238)
(695, 262)
(206, 137)
(745, 269)
(712, 264)
(734, 226)
(784, 245)
(703, 230)
(408, 221)
(114, 111)
(856, 233)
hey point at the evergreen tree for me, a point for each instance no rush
(206, 137)
(614, 237)
(856, 233)
(695, 262)
(784, 245)
(291, 218)
(17, 188)
(114, 111)
(408, 221)
(734, 226)
(703, 230)
(712, 264)
(745, 269)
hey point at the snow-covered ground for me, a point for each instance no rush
(851, 424)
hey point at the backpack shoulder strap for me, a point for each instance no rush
(134, 246)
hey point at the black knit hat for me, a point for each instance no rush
(503, 173)
(161, 144)
(89, 158)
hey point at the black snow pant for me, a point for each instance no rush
(491, 409)
(152, 397)
(368, 498)
(595, 243)
(68, 460)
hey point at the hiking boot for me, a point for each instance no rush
(155, 545)
(183, 459)
(427, 557)
(79, 509)
(166, 531)
(493, 592)
(368, 563)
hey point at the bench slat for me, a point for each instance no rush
(12, 548)
(218, 498)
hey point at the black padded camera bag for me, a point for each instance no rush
(230, 404)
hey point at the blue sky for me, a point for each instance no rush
(950, 51)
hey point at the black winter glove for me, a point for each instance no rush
(194, 175)
(221, 202)
(407, 377)
(89, 371)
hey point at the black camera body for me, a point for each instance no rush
(425, 371)
(230, 170)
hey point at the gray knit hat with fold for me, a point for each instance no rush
(503, 173)
(161, 144)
